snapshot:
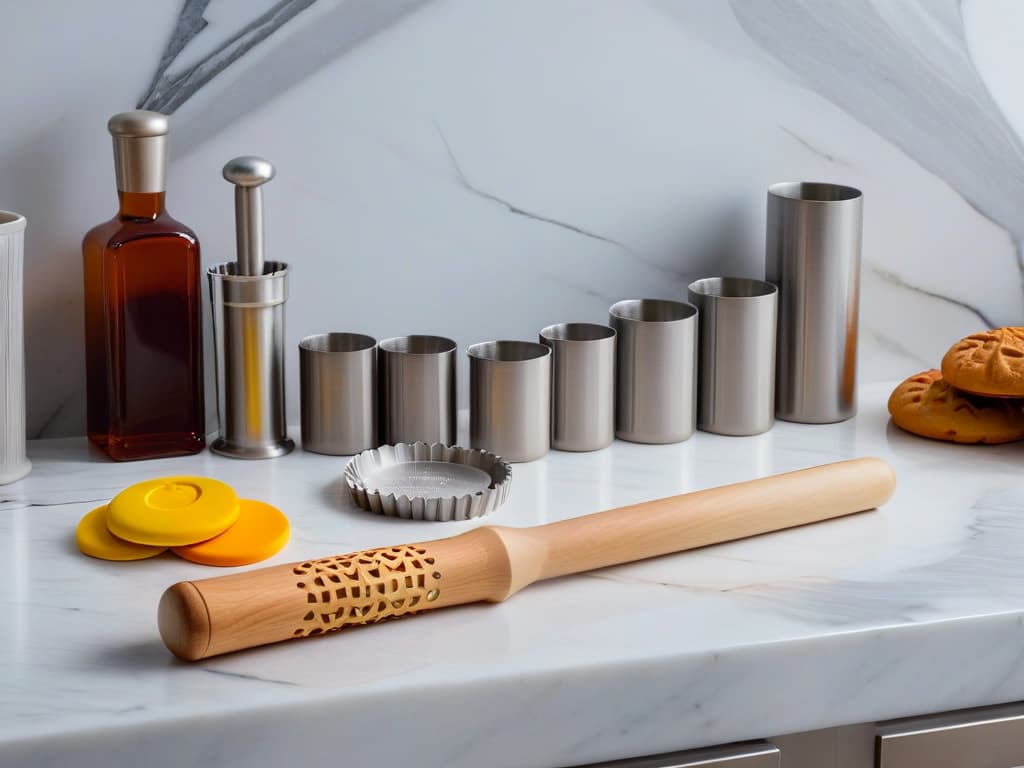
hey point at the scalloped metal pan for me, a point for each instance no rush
(421, 481)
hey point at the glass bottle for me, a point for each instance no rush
(143, 314)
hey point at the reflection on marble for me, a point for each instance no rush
(914, 608)
(493, 168)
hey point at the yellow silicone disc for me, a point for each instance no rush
(95, 540)
(172, 511)
(260, 532)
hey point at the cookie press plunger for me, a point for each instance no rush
(248, 299)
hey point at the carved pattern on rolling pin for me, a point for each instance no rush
(365, 587)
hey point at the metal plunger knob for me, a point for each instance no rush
(248, 173)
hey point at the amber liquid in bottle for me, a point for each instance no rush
(143, 325)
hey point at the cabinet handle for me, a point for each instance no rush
(962, 740)
(759, 754)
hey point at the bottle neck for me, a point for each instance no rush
(141, 205)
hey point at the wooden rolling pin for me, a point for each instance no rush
(219, 615)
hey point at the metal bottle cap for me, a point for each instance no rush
(140, 150)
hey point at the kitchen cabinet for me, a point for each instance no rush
(756, 755)
(989, 738)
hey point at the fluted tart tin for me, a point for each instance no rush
(421, 481)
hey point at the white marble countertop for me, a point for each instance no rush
(918, 607)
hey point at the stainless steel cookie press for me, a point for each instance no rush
(248, 297)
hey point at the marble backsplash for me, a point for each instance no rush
(480, 170)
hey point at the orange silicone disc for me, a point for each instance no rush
(260, 532)
(95, 540)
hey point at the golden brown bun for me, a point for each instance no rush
(989, 363)
(927, 405)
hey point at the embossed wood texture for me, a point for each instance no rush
(365, 587)
(213, 616)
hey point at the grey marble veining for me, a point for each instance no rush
(905, 70)
(339, 26)
(190, 23)
(976, 569)
(893, 279)
(167, 93)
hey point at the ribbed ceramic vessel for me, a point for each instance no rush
(421, 481)
(14, 464)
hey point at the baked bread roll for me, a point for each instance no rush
(927, 405)
(989, 363)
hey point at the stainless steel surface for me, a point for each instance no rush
(248, 299)
(338, 393)
(140, 150)
(812, 252)
(987, 738)
(736, 354)
(14, 463)
(248, 173)
(248, 332)
(510, 399)
(844, 746)
(656, 370)
(416, 376)
(759, 754)
(428, 482)
(582, 385)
